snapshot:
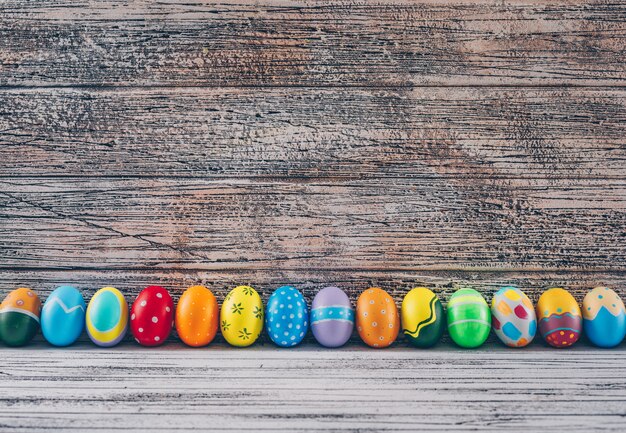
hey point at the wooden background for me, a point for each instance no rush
(390, 143)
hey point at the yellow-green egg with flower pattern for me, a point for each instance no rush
(241, 317)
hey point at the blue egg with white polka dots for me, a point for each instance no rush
(287, 316)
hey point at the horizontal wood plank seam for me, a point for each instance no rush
(238, 268)
(330, 86)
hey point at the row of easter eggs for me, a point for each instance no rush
(331, 319)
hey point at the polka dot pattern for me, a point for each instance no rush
(287, 316)
(197, 316)
(152, 312)
(377, 318)
(559, 317)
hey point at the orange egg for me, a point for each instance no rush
(23, 299)
(377, 318)
(197, 316)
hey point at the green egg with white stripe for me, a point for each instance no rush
(469, 318)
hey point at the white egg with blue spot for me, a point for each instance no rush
(287, 316)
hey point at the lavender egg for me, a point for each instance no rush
(332, 317)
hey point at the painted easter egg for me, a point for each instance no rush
(197, 316)
(422, 317)
(19, 317)
(332, 317)
(560, 320)
(106, 319)
(469, 318)
(513, 317)
(152, 316)
(241, 319)
(604, 317)
(377, 318)
(287, 316)
(63, 316)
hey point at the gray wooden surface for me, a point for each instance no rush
(393, 143)
(311, 389)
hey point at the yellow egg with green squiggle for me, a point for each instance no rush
(241, 317)
(422, 317)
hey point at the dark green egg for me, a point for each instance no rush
(423, 321)
(19, 317)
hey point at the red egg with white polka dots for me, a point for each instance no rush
(151, 316)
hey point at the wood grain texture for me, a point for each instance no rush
(496, 135)
(393, 143)
(397, 283)
(312, 389)
(411, 224)
(311, 43)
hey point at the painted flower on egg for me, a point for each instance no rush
(241, 316)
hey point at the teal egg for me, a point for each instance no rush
(106, 319)
(63, 316)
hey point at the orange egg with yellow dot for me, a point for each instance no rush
(377, 318)
(197, 316)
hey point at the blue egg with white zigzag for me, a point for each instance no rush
(604, 317)
(63, 316)
(287, 316)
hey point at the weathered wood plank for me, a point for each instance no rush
(311, 43)
(316, 147)
(497, 135)
(310, 389)
(401, 224)
(310, 281)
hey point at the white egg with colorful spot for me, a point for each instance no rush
(513, 317)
